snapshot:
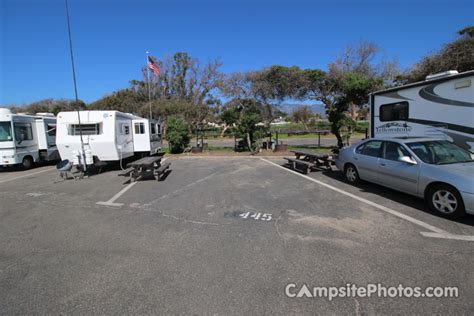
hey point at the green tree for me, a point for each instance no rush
(125, 100)
(50, 106)
(184, 87)
(302, 114)
(177, 134)
(347, 84)
(267, 87)
(250, 124)
(456, 55)
(246, 115)
(229, 117)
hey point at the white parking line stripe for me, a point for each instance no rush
(26, 175)
(116, 196)
(448, 236)
(437, 232)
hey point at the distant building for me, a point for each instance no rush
(279, 121)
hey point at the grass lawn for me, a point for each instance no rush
(328, 136)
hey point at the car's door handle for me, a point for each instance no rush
(382, 164)
(355, 158)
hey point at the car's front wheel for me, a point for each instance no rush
(446, 201)
(351, 174)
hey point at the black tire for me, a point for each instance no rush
(28, 162)
(445, 201)
(351, 174)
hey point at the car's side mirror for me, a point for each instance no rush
(407, 159)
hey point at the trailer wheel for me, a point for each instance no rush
(28, 162)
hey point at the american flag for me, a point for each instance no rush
(153, 67)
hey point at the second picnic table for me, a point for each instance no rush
(147, 166)
(306, 161)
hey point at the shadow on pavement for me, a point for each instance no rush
(396, 196)
(17, 168)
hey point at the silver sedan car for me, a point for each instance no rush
(434, 169)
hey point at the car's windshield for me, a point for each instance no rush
(5, 131)
(440, 152)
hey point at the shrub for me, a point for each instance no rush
(177, 134)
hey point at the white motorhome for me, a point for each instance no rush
(107, 136)
(440, 106)
(26, 139)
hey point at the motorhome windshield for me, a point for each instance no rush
(5, 132)
(440, 152)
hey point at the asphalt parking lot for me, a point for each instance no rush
(221, 236)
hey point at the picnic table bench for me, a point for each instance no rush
(299, 165)
(307, 161)
(148, 166)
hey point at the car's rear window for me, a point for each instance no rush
(371, 148)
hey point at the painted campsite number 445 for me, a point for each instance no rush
(256, 216)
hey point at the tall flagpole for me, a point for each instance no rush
(75, 87)
(148, 81)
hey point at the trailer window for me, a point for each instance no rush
(51, 129)
(139, 128)
(86, 129)
(23, 131)
(394, 111)
(5, 132)
(124, 129)
(153, 128)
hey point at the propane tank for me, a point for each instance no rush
(89, 158)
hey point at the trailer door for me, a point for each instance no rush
(25, 140)
(141, 135)
(124, 137)
(50, 127)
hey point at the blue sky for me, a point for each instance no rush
(110, 37)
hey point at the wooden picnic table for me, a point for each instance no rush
(147, 166)
(306, 161)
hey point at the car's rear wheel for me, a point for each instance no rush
(28, 162)
(351, 174)
(445, 201)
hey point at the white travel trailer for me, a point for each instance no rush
(107, 136)
(440, 106)
(26, 139)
